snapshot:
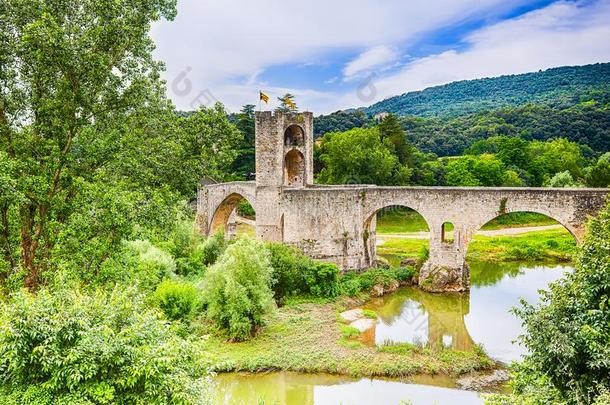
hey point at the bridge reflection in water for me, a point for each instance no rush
(414, 316)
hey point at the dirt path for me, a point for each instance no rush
(494, 232)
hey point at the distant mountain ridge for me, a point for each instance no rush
(556, 87)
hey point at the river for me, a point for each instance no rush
(412, 316)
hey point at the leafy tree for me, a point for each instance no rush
(484, 170)
(391, 129)
(64, 347)
(563, 179)
(599, 174)
(243, 165)
(567, 333)
(62, 68)
(359, 156)
(89, 141)
(237, 288)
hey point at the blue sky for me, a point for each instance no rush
(340, 54)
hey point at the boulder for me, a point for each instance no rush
(352, 315)
(364, 324)
(408, 262)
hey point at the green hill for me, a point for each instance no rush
(557, 87)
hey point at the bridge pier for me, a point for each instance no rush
(446, 268)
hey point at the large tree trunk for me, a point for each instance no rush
(28, 247)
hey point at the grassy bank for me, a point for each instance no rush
(307, 337)
(553, 245)
(401, 220)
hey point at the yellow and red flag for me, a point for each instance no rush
(263, 97)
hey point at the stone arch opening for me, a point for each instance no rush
(294, 168)
(235, 215)
(521, 236)
(294, 136)
(447, 232)
(395, 235)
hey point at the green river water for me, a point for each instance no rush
(410, 315)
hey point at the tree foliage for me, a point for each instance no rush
(65, 347)
(90, 145)
(567, 334)
(360, 156)
(237, 288)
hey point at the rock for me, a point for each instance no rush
(352, 315)
(379, 289)
(479, 382)
(363, 324)
(434, 278)
(382, 263)
(409, 261)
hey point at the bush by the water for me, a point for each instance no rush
(297, 274)
(64, 347)
(289, 267)
(568, 334)
(353, 283)
(237, 288)
(177, 299)
(322, 280)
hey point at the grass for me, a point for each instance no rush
(402, 220)
(308, 338)
(551, 245)
(369, 313)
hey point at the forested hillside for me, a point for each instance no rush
(568, 102)
(558, 87)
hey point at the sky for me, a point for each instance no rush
(338, 54)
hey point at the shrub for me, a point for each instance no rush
(68, 348)
(177, 300)
(245, 210)
(353, 283)
(237, 288)
(210, 250)
(289, 269)
(567, 333)
(183, 244)
(138, 262)
(323, 280)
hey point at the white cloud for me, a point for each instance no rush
(372, 59)
(228, 42)
(564, 33)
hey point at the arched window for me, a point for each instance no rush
(294, 136)
(447, 232)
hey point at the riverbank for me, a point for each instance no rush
(309, 337)
(543, 244)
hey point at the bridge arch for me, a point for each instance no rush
(516, 230)
(484, 220)
(224, 210)
(369, 234)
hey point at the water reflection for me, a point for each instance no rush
(413, 316)
(283, 388)
(461, 320)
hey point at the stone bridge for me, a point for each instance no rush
(337, 223)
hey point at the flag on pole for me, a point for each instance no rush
(263, 97)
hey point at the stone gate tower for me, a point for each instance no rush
(284, 159)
